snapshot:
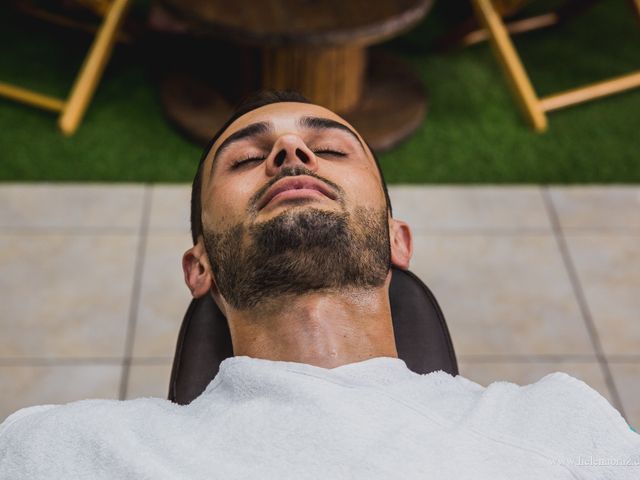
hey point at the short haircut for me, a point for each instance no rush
(253, 102)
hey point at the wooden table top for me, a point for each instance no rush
(302, 22)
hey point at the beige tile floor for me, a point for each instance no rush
(532, 280)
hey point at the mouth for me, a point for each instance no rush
(296, 187)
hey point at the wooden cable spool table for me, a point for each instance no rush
(318, 48)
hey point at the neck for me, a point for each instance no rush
(322, 329)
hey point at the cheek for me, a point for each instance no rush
(362, 186)
(226, 203)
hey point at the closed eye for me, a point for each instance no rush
(246, 161)
(329, 151)
(320, 152)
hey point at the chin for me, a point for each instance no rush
(300, 204)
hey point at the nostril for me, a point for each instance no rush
(302, 155)
(280, 157)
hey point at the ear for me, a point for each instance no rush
(401, 243)
(197, 270)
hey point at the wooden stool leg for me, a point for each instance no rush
(92, 68)
(510, 61)
(330, 76)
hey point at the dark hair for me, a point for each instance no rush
(253, 102)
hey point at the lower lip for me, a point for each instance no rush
(297, 193)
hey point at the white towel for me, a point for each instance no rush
(373, 419)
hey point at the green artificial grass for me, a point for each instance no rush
(473, 131)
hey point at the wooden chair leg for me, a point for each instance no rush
(510, 61)
(590, 92)
(92, 68)
(636, 4)
(30, 97)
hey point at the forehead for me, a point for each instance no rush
(283, 116)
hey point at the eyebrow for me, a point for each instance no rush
(260, 128)
(319, 123)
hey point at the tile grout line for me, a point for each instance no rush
(432, 231)
(528, 358)
(471, 231)
(135, 291)
(546, 357)
(580, 296)
(78, 361)
(71, 230)
(523, 231)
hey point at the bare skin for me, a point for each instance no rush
(325, 329)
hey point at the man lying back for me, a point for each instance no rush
(294, 239)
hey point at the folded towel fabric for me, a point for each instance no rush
(373, 419)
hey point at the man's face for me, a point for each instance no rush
(292, 202)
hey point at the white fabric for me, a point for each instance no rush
(373, 419)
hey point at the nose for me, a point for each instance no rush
(290, 151)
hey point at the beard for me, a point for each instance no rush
(301, 250)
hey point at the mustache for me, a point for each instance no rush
(293, 172)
